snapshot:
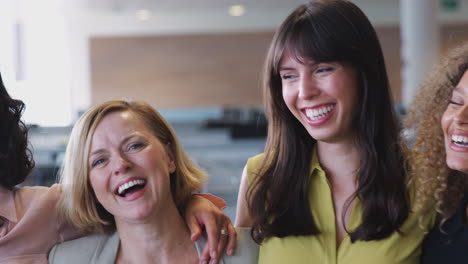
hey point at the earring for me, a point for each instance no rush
(172, 167)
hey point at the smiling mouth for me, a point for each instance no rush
(319, 113)
(130, 187)
(460, 141)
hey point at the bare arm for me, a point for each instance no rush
(243, 218)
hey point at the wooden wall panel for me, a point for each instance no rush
(180, 71)
(208, 70)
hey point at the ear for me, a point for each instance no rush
(171, 158)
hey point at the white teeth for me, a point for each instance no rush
(315, 114)
(460, 140)
(129, 184)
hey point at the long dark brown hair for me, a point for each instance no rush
(329, 31)
(15, 157)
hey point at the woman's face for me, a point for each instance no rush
(455, 126)
(322, 96)
(129, 168)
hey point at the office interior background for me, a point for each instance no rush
(198, 62)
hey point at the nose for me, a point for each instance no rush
(121, 165)
(308, 88)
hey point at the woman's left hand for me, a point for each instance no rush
(202, 212)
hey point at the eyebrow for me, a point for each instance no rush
(125, 140)
(286, 68)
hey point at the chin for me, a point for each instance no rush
(458, 165)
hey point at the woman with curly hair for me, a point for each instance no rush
(29, 223)
(438, 117)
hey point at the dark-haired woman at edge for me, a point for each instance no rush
(331, 186)
(29, 222)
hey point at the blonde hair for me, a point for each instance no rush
(78, 203)
(437, 186)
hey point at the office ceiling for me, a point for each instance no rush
(177, 5)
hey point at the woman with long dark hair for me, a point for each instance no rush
(331, 184)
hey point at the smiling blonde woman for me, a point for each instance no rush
(126, 176)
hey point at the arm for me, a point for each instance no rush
(243, 218)
(203, 211)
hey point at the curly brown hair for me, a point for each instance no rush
(437, 186)
(16, 160)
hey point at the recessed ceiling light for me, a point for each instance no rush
(236, 10)
(143, 14)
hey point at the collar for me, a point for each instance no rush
(315, 164)
(7, 204)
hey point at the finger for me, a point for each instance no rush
(223, 238)
(232, 240)
(205, 256)
(212, 230)
(194, 227)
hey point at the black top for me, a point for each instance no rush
(451, 247)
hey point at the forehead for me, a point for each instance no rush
(116, 125)
(462, 86)
(288, 57)
(463, 83)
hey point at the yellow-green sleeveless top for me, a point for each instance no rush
(398, 248)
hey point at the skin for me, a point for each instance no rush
(314, 85)
(148, 222)
(454, 122)
(202, 212)
(308, 87)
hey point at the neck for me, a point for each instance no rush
(164, 238)
(340, 161)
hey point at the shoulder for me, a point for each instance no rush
(88, 249)
(37, 197)
(246, 250)
(253, 165)
(449, 244)
(256, 160)
(38, 191)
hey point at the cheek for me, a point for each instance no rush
(98, 185)
(289, 99)
(349, 94)
(445, 121)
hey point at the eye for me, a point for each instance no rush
(288, 76)
(135, 146)
(456, 99)
(97, 162)
(324, 69)
(455, 103)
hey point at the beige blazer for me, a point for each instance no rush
(102, 249)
